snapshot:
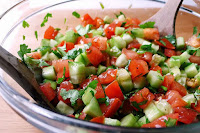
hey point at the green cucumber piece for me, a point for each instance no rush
(191, 70)
(184, 57)
(175, 71)
(64, 108)
(52, 56)
(129, 120)
(155, 78)
(87, 96)
(121, 18)
(53, 43)
(181, 80)
(101, 69)
(165, 68)
(118, 42)
(152, 112)
(93, 108)
(83, 59)
(90, 70)
(58, 36)
(138, 32)
(70, 36)
(119, 30)
(164, 106)
(114, 51)
(49, 73)
(127, 38)
(121, 61)
(77, 72)
(45, 57)
(45, 42)
(155, 48)
(157, 59)
(112, 122)
(45, 49)
(189, 98)
(180, 43)
(175, 61)
(139, 83)
(53, 83)
(143, 120)
(107, 20)
(124, 80)
(97, 32)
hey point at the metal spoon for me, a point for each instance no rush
(165, 18)
(24, 77)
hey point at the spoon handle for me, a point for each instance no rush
(23, 76)
(165, 18)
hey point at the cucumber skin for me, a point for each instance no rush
(49, 73)
(129, 120)
(153, 78)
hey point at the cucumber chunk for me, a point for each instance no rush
(118, 42)
(93, 108)
(139, 33)
(87, 96)
(175, 71)
(175, 61)
(53, 43)
(184, 57)
(83, 59)
(165, 68)
(139, 83)
(180, 43)
(124, 80)
(129, 121)
(189, 98)
(64, 108)
(107, 20)
(157, 59)
(143, 120)
(53, 83)
(191, 70)
(155, 78)
(152, 112)
(164, 106)
(49, 73)
(45, 42)
(90, 70)
(127, 38)
(77, 72)
(112, 122)
(114, 51)
(70, 36)
(52, 56)
(121, 61)
(119, 30)
(101, 69)
(121, 18)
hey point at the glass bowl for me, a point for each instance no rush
(33, 12)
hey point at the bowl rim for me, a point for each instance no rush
(7, 91)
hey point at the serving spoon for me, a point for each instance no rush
(164, 20)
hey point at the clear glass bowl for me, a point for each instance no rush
(33, 12)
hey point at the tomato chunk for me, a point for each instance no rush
(132, 23)
(108, 76)
(99, 119)
(34, 55)
(157, 68)
(175, 99)
(94, 55)
(67, 86)
(160, 122)
(69, 45)
(130, 54)
(143, 95)
(151, 34)
(86, 19)
(100, 43)
(186, 116)
(59, 67)
(48, 91)
(197, 107)
(166, 44)
(147, 56)
(138, 68)
(169, 52)
(111, 109)
(98, 22)
(168, 80)
(195, 59)
(50, 33)
(134, 44)
(178, 87)
(110, 30)
(113, 91)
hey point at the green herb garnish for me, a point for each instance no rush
(24, 37)
(147, 25)
(23, 50)
(195, 30)
(36, 35)
(25, 24)
(75, 14)
(48, 15)
(102, 6)
(72, 94)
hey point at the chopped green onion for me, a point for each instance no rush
(46, 19)
(102, 6)
(36, 35)
(25, 24)
(75, 14)
(24, 37)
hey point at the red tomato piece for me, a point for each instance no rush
(151, 34)
(157, 68)
(111, 109)
(50, 33)
(132, 23)
(85, 83)
(138, 68)
(127, 108)
(59, 67)
(34, 55)
(106, 59)
(175, 99)
(99, 119)
(108, 76)
(197, 107)
(71, 115)
(195, 59)
(67, 86)
(82, 116)
(168, 80)
(130, 54)
(94, 55)
(147, 56)
(169, 52)
(134, 44)
(114, 91)
(186, 116)
(69, 45)
(160, 122)
(100, 43)
(113, 60)
(110, 30)
(86, 19)
(142, 95)
(48, 91)
(167, 44)
(178, 87)
(98, 22)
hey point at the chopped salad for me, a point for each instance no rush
(119, 72)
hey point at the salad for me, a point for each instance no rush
(119, 72)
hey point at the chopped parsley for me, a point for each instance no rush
(102, 6)
(195, 30)
(36, 35)
(147, 25)
(105, 100)
(73, 95)
(60, 80)
(164, 88)
(57, 29)
(75, 14)
(160, 77)
(121, 13)
(25, 24)
(24, 37)
(171, 39)
(23, 50)
(93, 84)
(163, 42)
(198, 36)
(137, 105)
(65, 21)
(48, 15)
